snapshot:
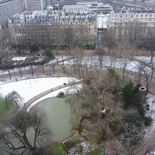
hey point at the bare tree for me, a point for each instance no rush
(125, 53)
(148, 43)
(110, 40)
(25, 133)
(147, 75)
(100, 53)
(97, 92)
(20, 71)
(128, 142)
(32, 71)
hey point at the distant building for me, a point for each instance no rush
(32, 5)
(9, 8)
(78, 9)
(88, 7)
(86, 1)
(73, 2)
(102, 24)
(101, 8)
(69, 2)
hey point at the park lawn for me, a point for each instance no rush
(4, 106)
(58, 149)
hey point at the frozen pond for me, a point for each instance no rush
(59, 117)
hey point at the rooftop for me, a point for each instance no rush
(5, 1)
(51, 16)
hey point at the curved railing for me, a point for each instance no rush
(35, 98)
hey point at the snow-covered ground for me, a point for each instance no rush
(151, 130)
(145, 58)
(95, 61)
(29, 88)
(57, 58)
(151, 101)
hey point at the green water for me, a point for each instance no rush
(59, 117)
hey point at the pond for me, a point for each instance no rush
(59, 117)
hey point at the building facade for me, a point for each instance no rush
(88, 7)
(9, 8)
(69, 2)
(32, 5)
(126, 23)
(1, 38)
(51, 29)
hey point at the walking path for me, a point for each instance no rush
(35, 98)
(145, 64)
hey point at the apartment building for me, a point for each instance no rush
(73, 2)
(52, 29)
(87, 7)
(32, 5)
(9, 8)
(123, 23)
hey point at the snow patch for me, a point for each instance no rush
(18, 58)
(27, 89)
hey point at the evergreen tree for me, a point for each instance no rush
(131, 98)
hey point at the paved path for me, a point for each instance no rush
(35, 98)
(145, 64)
(27, 72)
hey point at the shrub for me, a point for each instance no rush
(69, 144)
(34, 48)
(147, 121)
(140, 109)
(83, 117)
(19, 52)
(61, 95)
(113, 125)
(49, 53)
(100, 140)
(80, 128)
(131, 98)
(134, 119)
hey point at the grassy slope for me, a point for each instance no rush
(4, 106)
